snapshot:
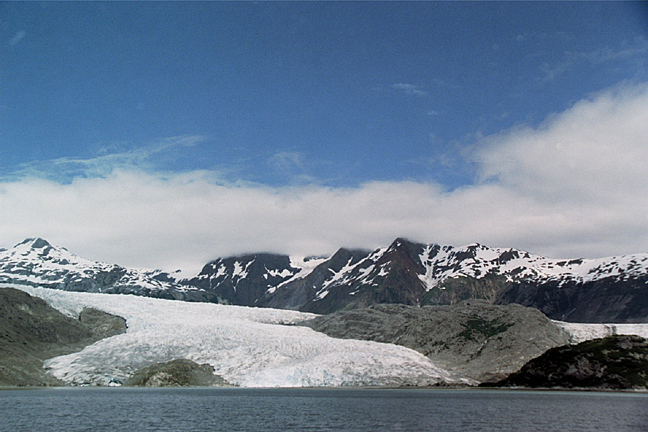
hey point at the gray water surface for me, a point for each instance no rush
(375, 410)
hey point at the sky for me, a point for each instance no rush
(167, 134)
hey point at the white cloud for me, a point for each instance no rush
(594, 152)
(575, 186)
(582, 174)
(410, 89)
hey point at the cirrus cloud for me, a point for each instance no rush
(410, 89)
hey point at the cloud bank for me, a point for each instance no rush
(576, 186)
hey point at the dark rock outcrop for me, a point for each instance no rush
(243, 280)
(102, 324)
(305, 293)
(176, 373)
(392, 277)
(614, 363)
(31, 331)
(606, 300)
(454, 290)
(476, 339)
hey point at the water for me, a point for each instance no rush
(231, 409)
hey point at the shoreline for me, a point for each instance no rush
(351, 388)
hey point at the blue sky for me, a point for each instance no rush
(294, 100)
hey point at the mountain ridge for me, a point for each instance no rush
(36, 262)
(612, 289)
(420, 274)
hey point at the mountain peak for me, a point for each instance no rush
(35, 243)
(401, 241)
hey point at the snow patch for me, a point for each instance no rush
(476, 260)
(282, 274)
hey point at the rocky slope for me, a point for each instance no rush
(615, 362)
(475, 339)
(245, 280)
(610, 299)
(176, 373)
(31, 331)
(36, 262)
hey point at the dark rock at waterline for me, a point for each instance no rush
(615, 363)
(176, 373)
(31, 331)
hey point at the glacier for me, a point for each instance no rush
(248, 347)
(583, 332)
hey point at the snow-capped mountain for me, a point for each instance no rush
(36, 262)
(245, 279)
(611, 289)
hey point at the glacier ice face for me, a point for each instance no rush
(583, 332)
(249, 347)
